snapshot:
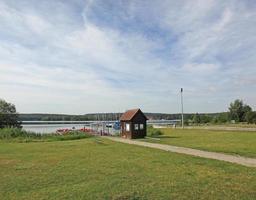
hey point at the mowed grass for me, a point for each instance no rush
(232, 142)
(97, 168)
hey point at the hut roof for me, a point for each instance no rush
(129, 114)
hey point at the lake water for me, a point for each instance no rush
(51, 128)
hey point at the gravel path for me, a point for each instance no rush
(249, 162)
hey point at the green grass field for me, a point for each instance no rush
(239, 125)
(95, 168)
(232, 142)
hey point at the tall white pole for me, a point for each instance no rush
(181, 98)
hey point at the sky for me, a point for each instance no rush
(86, 56)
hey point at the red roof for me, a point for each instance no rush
(129, 114)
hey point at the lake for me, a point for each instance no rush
(51, 128)
(47, 127)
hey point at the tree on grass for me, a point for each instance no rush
(238, 110)
(196, 119)
(8, 115)
(250, 117)
(221, 118)
(204, 118)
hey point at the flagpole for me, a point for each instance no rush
(182, 117)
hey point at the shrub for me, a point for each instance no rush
(8, 133)
(153, 132)
(251, 117)
(22, 135)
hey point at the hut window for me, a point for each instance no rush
(127, 127)
(136, 126)
(141, 126)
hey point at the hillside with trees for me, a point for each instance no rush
(237, 112)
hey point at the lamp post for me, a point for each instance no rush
(182, 117)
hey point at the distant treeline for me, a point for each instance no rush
(107, 116)
(63, 117)
(238, 111)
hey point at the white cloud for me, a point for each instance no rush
(36, 23)
(224, 20)
(200, 68)
(137, 58)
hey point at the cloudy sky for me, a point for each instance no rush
(80, 56)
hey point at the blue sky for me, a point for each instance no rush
(79, 57)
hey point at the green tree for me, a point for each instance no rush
(250, 117)
(215, 120)
(196, 119)
(66, 118)
(45, 118)
(246, 109)
(238, 110)
(8, 115)
(222, 117)
(205, 118)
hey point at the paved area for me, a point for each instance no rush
(249, 162)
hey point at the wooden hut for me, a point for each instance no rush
(133, 124)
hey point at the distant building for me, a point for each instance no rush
(133, 124)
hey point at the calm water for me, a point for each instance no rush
(51, 128)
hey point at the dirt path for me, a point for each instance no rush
(249, 162)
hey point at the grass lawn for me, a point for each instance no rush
(233, 142)
(240, 125)
(96, 168)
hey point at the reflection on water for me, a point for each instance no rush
(51, 128)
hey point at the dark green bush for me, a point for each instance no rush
(152, 132)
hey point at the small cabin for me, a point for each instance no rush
(133, 124)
